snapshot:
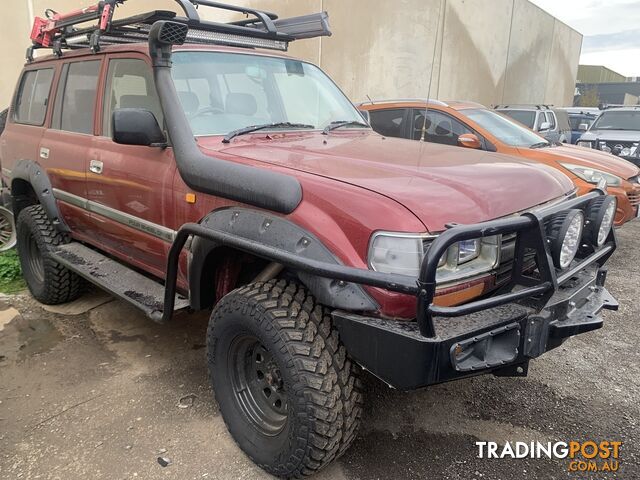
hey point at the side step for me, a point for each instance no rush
(116, 278)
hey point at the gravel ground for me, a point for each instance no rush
(99, 395)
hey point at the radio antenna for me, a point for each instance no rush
(423, 137)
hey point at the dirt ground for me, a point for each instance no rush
(103, 394)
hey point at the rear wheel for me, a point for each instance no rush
(48, 281)
(7, 230)
(286, 388)
(3, 120)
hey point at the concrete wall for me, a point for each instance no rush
(503, 51)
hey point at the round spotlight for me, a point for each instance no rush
(601, 213)
(565, 233)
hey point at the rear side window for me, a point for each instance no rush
(33, 97)
(76, 99)
(551, 118)
(389, 123)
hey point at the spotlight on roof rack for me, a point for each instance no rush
(306, 26)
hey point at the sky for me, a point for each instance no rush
(611, 30)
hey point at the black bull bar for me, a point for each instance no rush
(531, 235)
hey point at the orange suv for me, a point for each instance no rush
(472, 125)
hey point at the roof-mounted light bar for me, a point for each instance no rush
(207, 38)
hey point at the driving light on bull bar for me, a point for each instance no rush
(564, 233)
(601, 213)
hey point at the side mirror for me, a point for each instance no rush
(469, 140)
(367, 117)
(137, 126)
(544, 127)
(583, 127)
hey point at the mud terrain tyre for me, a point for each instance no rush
(49, 282)
(287, 391)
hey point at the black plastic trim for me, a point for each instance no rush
(32, 173)
(279, 233)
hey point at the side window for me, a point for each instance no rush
(541, 119)
(33, 97)
(75, 103)
(439, 127)
(551, 118)
(129, 85)
(390, 123)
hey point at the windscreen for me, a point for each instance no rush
(504, 129)
(223, 92)
(627, 120)
(525, 117)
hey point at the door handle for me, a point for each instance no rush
(96, 166)
(44, 153)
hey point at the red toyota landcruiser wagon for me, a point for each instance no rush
(166, 160)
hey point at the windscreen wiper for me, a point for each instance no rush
(540, 145)
(255, 128)
(343, 123)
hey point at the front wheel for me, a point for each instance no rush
(287, 391)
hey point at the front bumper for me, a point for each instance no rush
(501, 340)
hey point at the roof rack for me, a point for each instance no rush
(537, 106)
(259, 30)
(404, 100)
(609, 106)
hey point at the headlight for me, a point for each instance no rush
(601, 214)
(592, 175)
(396, 253)
(584, 143)
(468, 250)
(403, 253)
(564, 232)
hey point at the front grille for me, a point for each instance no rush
(507, 255)
(634, 198)
(612, 145)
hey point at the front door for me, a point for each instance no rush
(130, 187)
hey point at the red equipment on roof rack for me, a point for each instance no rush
(259, 30)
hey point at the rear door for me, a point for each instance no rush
(130, 187)
(26, 120)
(66, 143)
(391, 122)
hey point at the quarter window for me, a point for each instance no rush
(389, 123)
(129, 85)
(33, 97)
(74, 109)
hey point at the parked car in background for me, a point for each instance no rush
(616, 131)
(552, 124)
(472, 125)
(581, 120)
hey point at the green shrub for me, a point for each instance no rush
(10, 274)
